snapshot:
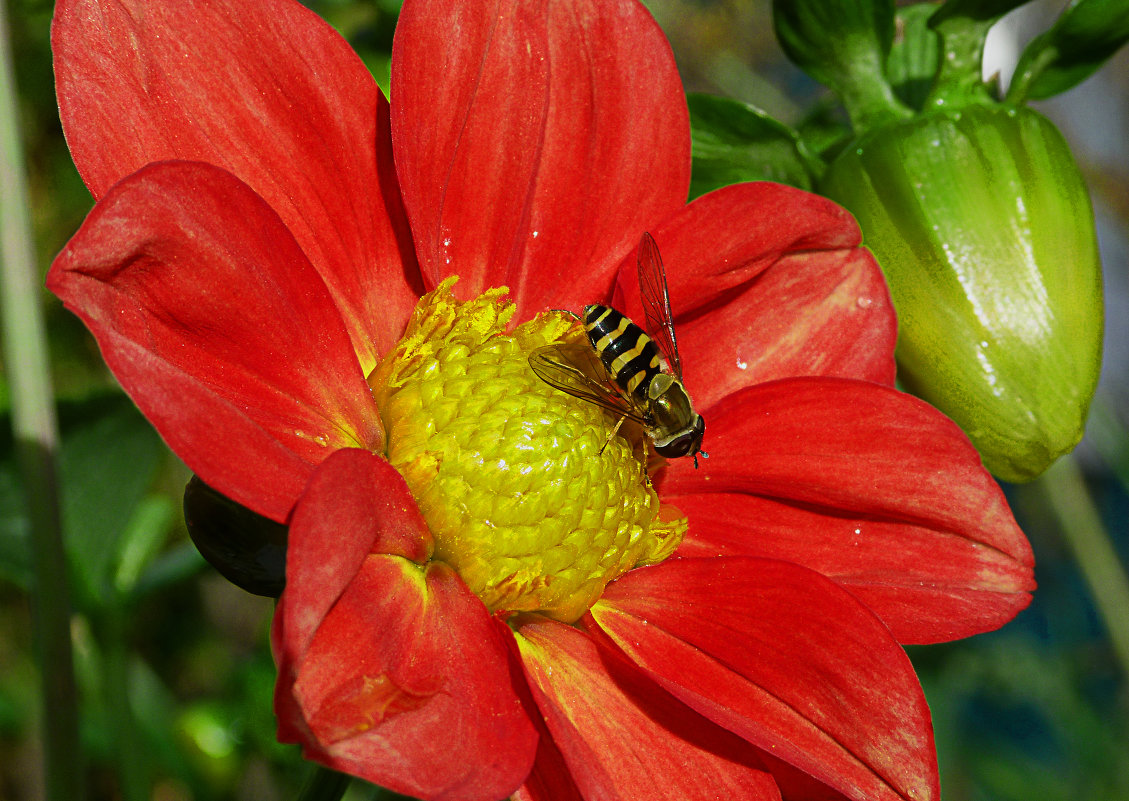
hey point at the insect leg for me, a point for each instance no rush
(614, 431)
(571, 314)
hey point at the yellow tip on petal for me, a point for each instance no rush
(526, 496)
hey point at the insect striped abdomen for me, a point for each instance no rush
(631, 357)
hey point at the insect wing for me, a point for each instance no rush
(656, 302)
(575, 369)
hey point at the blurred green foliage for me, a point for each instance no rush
(1036, 711)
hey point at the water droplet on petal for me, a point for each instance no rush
(317, 439)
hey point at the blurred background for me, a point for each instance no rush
(1038, 711)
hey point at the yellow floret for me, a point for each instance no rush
(525, 495)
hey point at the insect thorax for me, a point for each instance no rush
(669, 405)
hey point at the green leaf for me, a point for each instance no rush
(171, 567)
(142, 540)
(829, 38)
(824, 132)
(734, 142)
(1087, 34)
(109, 458)
(843, 44)
(984, 11)
(915, 56)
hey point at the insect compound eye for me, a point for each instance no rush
(676, 447)
(686, 443)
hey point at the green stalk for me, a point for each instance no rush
(1083, 531)
(36, 441)
(962, 50)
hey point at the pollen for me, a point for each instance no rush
(529, 496)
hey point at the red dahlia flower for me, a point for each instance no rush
(485, 596)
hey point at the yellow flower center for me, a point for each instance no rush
(526, 496)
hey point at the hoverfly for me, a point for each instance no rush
(636, 375)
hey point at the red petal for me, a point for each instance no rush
(795, 785)
(219, 329)
(407, 684)
(783, 288)
(622, 736)
(550, 779)
(926, 585)
(784, 658)
(535, 141)
(869, 486)
(356, 504)
(268, 91)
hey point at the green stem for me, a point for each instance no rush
(324, 785)
(871, 104)
(36, 441)
(958, 80)
(1109, 437)
(1082, 528)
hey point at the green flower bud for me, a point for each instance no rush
(984, 229)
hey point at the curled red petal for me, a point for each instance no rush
(268, 91)
(355, 504)
(622, 735)
(872, 487)
(221, 331)
(535, 141)
(406, 683)
(782, 657)
(821, 313)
